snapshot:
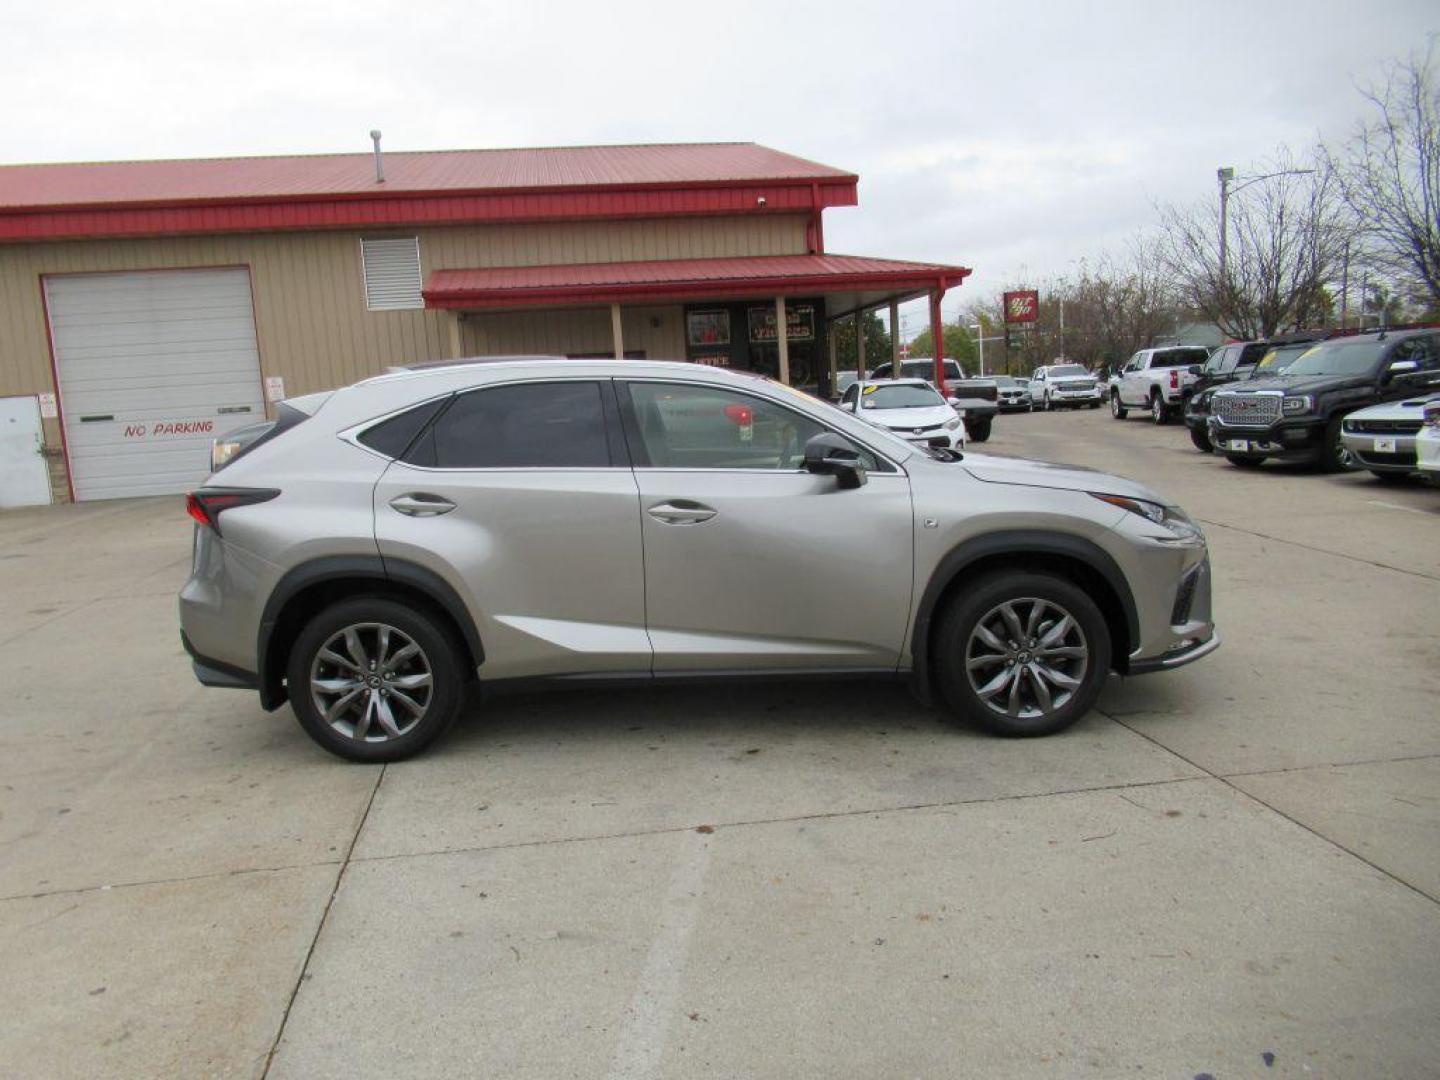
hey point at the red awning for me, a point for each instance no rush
(741, 278)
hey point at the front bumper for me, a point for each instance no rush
(1075, 397)
(1382, 453)
(1288, 440)
(1182, 654)
(940, 440)
(1427, 453)
(1014, 404)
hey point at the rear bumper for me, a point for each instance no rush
(216, 673)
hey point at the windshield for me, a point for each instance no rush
(1065, 370)
(1337, 358)
(903, 396)
(925, 369)
(1279, 359)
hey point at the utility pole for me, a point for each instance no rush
(1345, 288)
(1062, 328)
(1224, 175)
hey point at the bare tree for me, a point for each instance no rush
(1286, 241)
(1389, 173)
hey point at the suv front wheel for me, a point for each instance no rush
(1117, 409)
(374, 680)
(1022, 654)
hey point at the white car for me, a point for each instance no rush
(909, 408)
(1057, 385)
(1383, 438)
(1427, 444)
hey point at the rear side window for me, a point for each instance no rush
(530, 426)
(393, 437)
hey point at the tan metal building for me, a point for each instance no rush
(148, 306)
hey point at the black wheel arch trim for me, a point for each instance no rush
(1014, 542)
(335, 568)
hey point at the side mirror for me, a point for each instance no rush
(848, 406)
(953, 402)
(1400, 367)
(827, 454)
(1195, 369)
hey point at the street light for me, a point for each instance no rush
(1226, 176)
(980, 339)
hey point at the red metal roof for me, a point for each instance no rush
(134, 183)
(763, 275)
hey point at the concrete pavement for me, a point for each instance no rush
(1234, 860)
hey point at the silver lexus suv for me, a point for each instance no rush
(375, 550)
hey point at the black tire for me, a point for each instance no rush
(976, 603)
(1117, 410)
(1334, 457)
(1159, 411)
(979, 431)
(1244, 462)
(1201, 438)
(439, 653)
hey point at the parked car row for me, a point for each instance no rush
(1335, 399)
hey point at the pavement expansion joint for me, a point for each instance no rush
(1281, 813)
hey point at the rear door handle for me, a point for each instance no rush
(421, 504)
(681, 512)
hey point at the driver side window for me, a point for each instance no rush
(684, 426)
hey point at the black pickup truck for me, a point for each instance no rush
(1296, 416)
(1236, 363)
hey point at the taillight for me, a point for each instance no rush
(1174, 378)
(1432, 414)
(207, 504)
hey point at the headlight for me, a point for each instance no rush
(1171, 518)
(1432, 415)
(1298, 404)
(951, 425)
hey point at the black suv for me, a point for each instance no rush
(1296, 416)
(1233, 363)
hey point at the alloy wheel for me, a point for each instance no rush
(371, 682)
(1026, 658)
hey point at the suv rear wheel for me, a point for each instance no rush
(1158, 411)
(1021, 654)
(1117, 410)
(374, 680)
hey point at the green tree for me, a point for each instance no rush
(877, 342)
(959, 345)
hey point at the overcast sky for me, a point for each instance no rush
(1014, 138)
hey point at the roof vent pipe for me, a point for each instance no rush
(379, 164)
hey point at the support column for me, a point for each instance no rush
(937, 335)
(834, 356)
(860, 344)
(452, 327)
(782, 339)
(894, 340)
(617, 332)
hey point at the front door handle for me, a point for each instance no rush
(681, 512)
(421, 504)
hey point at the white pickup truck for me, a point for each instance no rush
(1158, 380)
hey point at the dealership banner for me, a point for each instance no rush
(1022, 306)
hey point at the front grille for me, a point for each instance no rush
(1384, 427)
(917, 430)
(1404, 459)
(1180, 613)
(1251, 410)
(1076, 386)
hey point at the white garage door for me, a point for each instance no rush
(152, 367)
